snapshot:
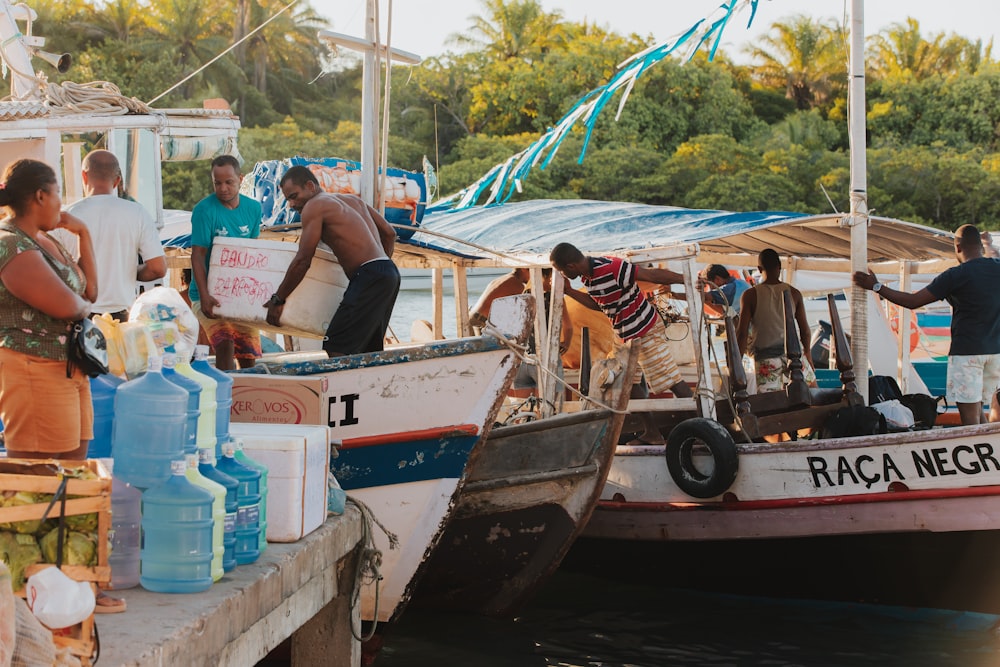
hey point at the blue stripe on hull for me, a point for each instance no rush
(402, 462)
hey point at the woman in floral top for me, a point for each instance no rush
(42, 292)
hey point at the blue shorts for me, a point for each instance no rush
(360, 323)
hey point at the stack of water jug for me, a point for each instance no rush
(198, 499)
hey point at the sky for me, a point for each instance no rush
(423, 26)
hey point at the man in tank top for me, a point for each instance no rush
(760, 331)
(363, 242)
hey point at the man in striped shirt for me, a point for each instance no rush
(612, 287)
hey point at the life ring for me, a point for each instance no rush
(711, 435)
(914, 328)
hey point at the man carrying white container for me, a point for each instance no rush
(363, 242)
(229, 214)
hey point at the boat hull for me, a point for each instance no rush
(942, 480)
(526, 499)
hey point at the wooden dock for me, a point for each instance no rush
(301, 590)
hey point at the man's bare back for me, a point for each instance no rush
(349, 228)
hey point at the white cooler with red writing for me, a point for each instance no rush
(244, 273)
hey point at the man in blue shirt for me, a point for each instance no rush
(971, 289)
(724, 296)
(226, 213)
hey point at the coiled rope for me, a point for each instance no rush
(369, 562)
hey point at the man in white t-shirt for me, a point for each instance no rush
(122, 231)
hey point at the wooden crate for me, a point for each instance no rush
(43, 476)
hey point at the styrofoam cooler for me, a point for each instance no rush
(244, 273)
(297, 457)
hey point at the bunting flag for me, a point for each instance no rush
(504, 179)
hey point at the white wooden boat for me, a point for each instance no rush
(409, 423)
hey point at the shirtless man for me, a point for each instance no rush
(363, 242)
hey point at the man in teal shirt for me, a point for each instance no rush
(226, 213)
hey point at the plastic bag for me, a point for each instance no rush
(138, 345)
(166, 305)
(34, 645)
(111, 329)
(336, 497)
(898, 417)
(58, 601)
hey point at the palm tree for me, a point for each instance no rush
(902, 51)
(802, 57)
(122, 20)
(191, 32)
(512, 29)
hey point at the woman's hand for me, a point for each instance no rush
(72, 224)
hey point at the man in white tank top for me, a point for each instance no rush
(761, 328)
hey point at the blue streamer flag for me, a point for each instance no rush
(504, 179)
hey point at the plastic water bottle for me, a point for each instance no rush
(248, 497)
(194, 400)
(207, 467)
(218, 511)
(176, 554)
(206, 420)
(223, 395)
(102, 396)
(241, 456)
(149, 430)
(126, 527)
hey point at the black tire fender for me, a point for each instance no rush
(712, 435)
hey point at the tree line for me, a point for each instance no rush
(770, 134)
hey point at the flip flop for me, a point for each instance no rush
(105, 604)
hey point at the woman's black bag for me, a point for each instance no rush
(87, 349)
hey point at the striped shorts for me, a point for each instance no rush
(655, 359)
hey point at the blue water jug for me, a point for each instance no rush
(102, 396)
(150, 427)
(176, 555)
(248, 498)
(223, 395)
(207, 467)
(126, 530)
(194, 401)
(241, 456)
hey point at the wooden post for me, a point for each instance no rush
(461, 289)
(437, 295)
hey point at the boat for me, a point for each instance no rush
(410, 422)
(525, 500)
(734, 478)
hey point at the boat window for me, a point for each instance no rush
(138, 153)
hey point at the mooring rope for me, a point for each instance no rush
(369, 562)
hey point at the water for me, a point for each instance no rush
(230, 505)
(586, 620)
(242, 457)
(102, 393)
(248, 513)
(149, 428)
(195, 476)
(193, 405)
(176, 555)
(418, 304)
(223, 394)
(126, 519)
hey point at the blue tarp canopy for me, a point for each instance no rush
(532, 228)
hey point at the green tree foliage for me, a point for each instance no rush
(769, 135)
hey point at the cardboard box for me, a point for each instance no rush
(297, 458)
(277, 399)
(244, 273)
